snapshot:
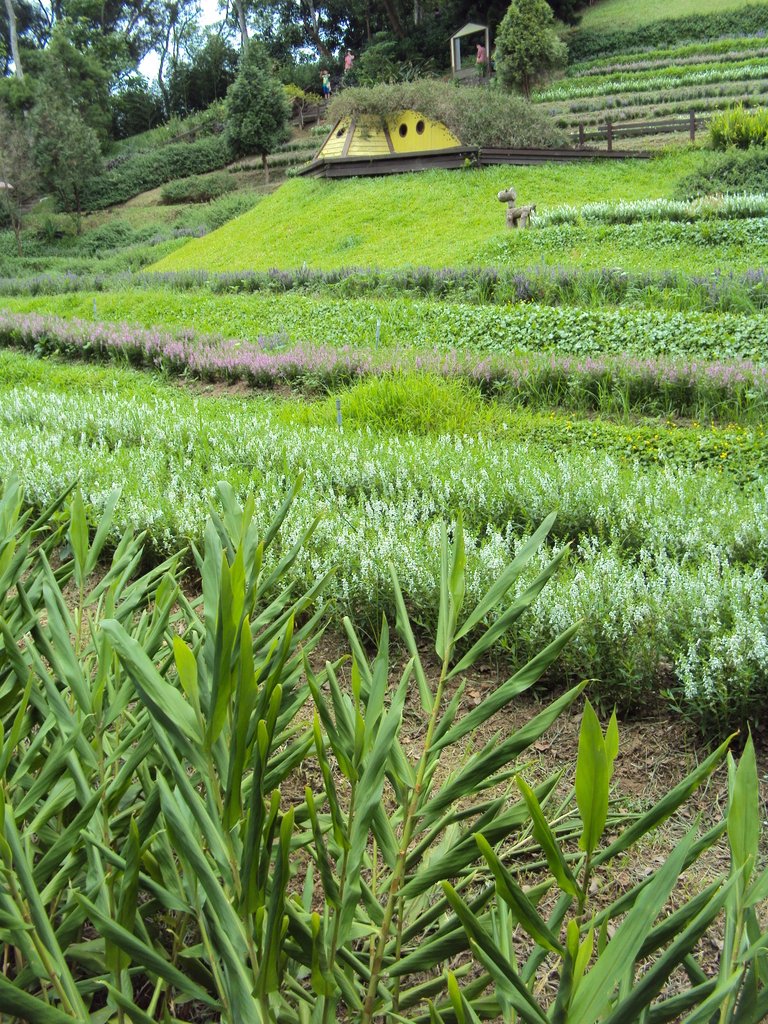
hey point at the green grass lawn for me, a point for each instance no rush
(437, 218)
(627, 14)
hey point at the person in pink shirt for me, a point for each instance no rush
(349, 60)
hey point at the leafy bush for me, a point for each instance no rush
(191, 128)
(478, 117)
(730, 392)
(150, 168)
(741, 293)
(219, 211)
(196, 189)
(749, 20)
(528, 47)
(739, 127)
(732, 171)
(153, 744)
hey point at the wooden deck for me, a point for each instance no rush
(454, 159)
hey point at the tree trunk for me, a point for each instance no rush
(394, 19)
(240, 9)
(312, 25)
(14, 40)
(265, 165)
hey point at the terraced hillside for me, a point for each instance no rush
(660, 69)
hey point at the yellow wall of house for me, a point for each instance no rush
(413, 133)
(368, 139)
(334, 144)
(409, 131)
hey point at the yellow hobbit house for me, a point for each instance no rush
(406, 141)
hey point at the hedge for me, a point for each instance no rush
(152, 168)
(586, 44)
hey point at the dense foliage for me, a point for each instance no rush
(477, 117)
(527, 46)
(738, 21)
(148, 169)
(197, 189)
(257, 109)
(740, 128)
(155, 745)
(729, 172)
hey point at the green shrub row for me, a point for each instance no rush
(740, 293)
(444, 325)
(712, 48)
(662, 554)
(196, 189)
(732, 171)
(149, 169)
(191, 128)
(653, 80)
(585, 44)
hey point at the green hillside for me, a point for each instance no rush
(438, 218)
(627, 14)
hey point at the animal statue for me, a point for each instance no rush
(517, 216)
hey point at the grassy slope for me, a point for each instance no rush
(438, 218)
(621, 14)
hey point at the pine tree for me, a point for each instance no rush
(257, 107)
(527, 45)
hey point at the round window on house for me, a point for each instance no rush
(403, 129)
(420, 126)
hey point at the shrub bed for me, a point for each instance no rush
(456, 325)
(148, 169)
(668, 32)
(736, 392)
(662, 555)
(196, 189)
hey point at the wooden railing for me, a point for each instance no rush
(613, 131)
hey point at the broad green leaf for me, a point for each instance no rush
(597, 987)
(19, 1004)
(744, 811)
(163, 700)
(523, 909)
(547, 840)
(443, 612)
(592, 779)
(186, 667)
(78, 536)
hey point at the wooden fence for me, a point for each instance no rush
(615, 131)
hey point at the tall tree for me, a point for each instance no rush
(176, 25)
(66, 149)
(527, 45)
(17, 173)
(257, 107)
(14, 39)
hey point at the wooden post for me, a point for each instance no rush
(609, 134)
(692, 129)
(581, 134)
